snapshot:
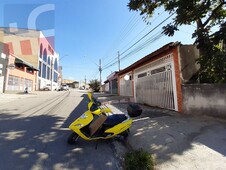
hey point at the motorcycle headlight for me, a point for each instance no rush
(79, 125)
(83, 116)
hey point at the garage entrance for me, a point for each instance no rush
(155, 84)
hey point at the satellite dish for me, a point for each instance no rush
(126, 77)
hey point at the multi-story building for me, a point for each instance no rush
(48, 64)
(33, 52)
(3, 64)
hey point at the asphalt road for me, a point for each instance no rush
(34, 130)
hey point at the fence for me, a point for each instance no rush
(208, 99)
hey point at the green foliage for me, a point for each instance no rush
(95, 85)
(206, 14)
(213, 67)
(139, 159)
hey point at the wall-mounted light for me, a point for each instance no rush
(126, 77)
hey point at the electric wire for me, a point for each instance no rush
(137, 49)
(109, 65)
(142, 31)
(124, 37)
(122, 33)
(147, 34)
(93, 75)
(115, 58)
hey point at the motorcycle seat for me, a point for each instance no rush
(115, 119)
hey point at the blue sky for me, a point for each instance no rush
(89, 30)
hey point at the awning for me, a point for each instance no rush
(21, 61)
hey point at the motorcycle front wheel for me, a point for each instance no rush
(125, 134)
(72, 139)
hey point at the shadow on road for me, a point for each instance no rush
(35, 142)
(78, 111)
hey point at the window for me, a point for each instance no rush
(45, 55)
(19, 66)
(41, 48)
(158, 70)
(40, 68)
(48, 73)
(48, 60)
(55, 65)
(30, 70)
(50, 49)
(43, 70)
(142, 75)
(55, 77)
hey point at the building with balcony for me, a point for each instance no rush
(31, 52)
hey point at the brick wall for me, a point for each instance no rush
(177, 76)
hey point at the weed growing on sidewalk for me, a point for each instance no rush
(139, 159)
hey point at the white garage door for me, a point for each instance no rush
(19, 84)
(155, 84)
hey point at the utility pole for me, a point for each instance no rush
(85, 81)
(118, 61)
(100, 69)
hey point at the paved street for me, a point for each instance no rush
(33, 134)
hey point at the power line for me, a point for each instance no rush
(147, 34)
(127, 33)
(94, 75)
(142, 30)
(110, 62)
(122, 32)
(137, 49)
(143, 46)
(139, 32)
(109, 65)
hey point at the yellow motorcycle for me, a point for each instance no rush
(98, 122)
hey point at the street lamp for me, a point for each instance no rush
(63, 57)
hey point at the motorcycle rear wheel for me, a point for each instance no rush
(72, 139)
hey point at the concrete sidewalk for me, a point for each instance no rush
(9, 97)
(177, 142)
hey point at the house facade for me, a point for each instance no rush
(33, 56)
(156, 79)
(21, 76)
(111, 84)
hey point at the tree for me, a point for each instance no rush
(95, 85)
(206, 14)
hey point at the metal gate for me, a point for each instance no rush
(125, 87)
(155, 84)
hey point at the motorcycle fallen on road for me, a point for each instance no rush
(99, 122)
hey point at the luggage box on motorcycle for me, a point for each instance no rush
(134, 110)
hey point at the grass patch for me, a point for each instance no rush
(138, 159)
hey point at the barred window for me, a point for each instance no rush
(142, 75)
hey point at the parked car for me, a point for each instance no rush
(48, 87)
(64, 87)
